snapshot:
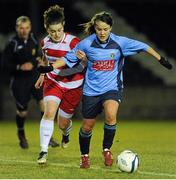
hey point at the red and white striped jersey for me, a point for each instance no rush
(54, 50)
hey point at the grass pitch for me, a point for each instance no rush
(155, 143)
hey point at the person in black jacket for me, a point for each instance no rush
(20, 58)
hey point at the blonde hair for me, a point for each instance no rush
(22, 19)
(53, 15)
(102, 16)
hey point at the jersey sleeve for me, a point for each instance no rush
(132, 47)
(70, 58)
(79, 68)
(74, 42)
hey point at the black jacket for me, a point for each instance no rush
(17, 52)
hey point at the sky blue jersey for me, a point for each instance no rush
(105, 61)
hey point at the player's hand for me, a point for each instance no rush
(83, 64)
(28, 66)
(45, 69)
(40, 81)
(164, 62)
(40, 61)
(81, 55)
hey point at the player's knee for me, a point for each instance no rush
(87, 127)
(111, 119)
(49, 114)
(63, 123)
(22, 114)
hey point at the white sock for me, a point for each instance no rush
(46, 131)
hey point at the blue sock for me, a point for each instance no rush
(109, 133)
(84, 141)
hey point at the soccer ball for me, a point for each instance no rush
(127, 161)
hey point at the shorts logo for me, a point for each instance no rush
(103, 65)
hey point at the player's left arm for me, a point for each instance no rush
(162, 60)
(131, 47)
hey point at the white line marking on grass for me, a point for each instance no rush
(157, 174)
(33, 162)
(92, 167)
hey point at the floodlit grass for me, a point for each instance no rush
(155, 143)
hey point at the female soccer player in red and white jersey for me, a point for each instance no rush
(61, 94)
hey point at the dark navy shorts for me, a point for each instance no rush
(93, 105)
(22, 89)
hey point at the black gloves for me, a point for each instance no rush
(45, 69)
(164, 62)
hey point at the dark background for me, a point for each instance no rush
(146, 96)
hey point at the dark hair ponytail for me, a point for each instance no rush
(102, 16)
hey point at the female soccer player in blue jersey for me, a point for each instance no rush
(103, 84)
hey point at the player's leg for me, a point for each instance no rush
(69, 103)
(20, 121)
(52, 99)
(21, 93)
(38, 96)
(85, 135)
(65, 125)
(90, 108)
(47, 128)
(111, 105)
(110, 108)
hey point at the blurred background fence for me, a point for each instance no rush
(149, 88)
(139, 103)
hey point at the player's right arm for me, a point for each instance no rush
(78, 68)
(70, 59)
(57, 64)
(69, 71)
